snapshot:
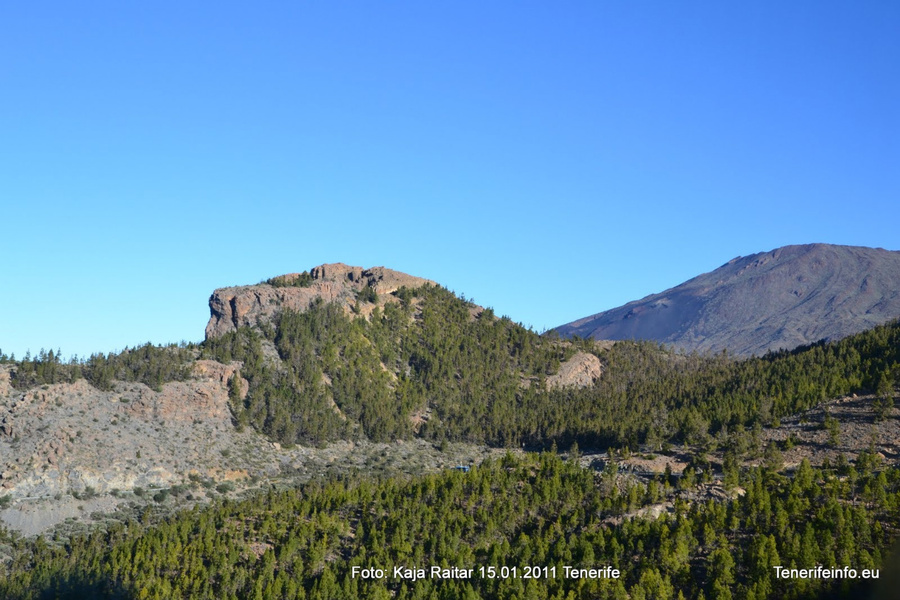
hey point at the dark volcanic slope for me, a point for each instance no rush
(780, 299)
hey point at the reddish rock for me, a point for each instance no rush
(247, 305)
(582, 370)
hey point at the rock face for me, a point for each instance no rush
(582, 370)
(246, 305)
(71, 437)
(4, 381)
(780, 299)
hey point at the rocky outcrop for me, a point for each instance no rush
(72, 437)
(248, 305)
(785, 298)
(5, 386)
(210, 370)
(582, 370)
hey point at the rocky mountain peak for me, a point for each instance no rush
(247, 305)
(783, 298)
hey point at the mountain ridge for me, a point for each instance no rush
(779, 299)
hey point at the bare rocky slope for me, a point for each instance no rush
(784, 298)
(74, 437)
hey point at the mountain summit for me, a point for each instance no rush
(247, 305)
(784, 298)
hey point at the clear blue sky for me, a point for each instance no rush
(549, 159)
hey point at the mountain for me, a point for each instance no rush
(339, 420)
(338, 354)
(341, 352)
(239, 306)
(784, 298)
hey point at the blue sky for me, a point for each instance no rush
(551, 160)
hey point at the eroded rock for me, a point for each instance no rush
(582, 370)
(248, 305)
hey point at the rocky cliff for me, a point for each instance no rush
(246, 305)
(780, 299)
(73, 437)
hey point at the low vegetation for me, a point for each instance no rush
(149, 364)
(303, 279)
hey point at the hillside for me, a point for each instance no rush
(510, 528)
(384, 361)
(785, 298)
(423, 363)
(344, 357)
(317, 432)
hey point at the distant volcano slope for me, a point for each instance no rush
(785, 298)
